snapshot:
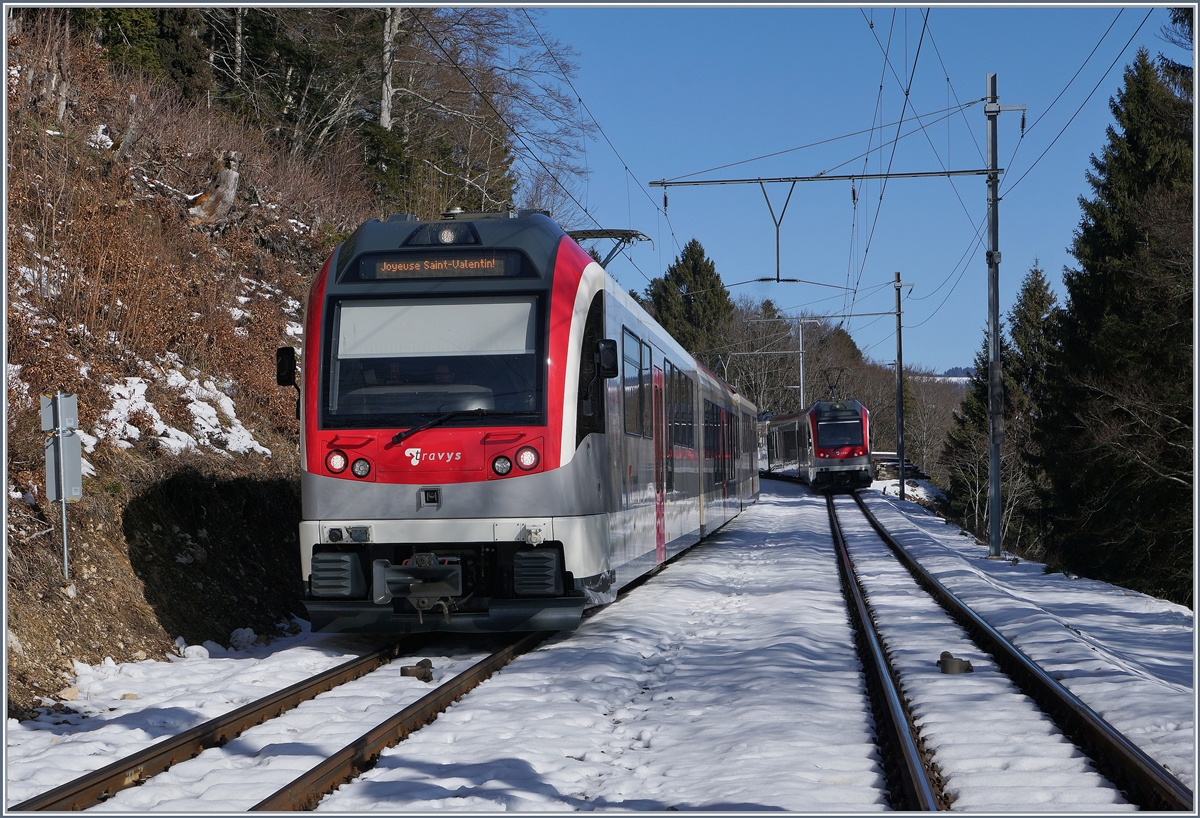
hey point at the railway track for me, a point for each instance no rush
(1141, 780)
(910, 784)
(100, 785)
(360, 755)
(914, 779)
(302, 793)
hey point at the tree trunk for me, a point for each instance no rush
(239, 23)
(391, 25)
(216, 203)
(131, 131)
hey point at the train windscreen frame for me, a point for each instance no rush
(399, 361)
(834, 434)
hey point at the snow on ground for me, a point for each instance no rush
(727, 682)
(1129, 656)
(215, 424)
(1005, 756)
(920, 491)
(267, 758)
(124, 708)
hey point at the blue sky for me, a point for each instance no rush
(682, 90)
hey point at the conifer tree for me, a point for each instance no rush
(1023, 354)
(964, 456)
(691, 303)
(1116, 428)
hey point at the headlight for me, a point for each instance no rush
(336, 461)
(360, 468)
(528, 458)
(501, 465)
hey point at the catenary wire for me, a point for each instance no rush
(584, 105)
(1082, 104)
(867, 157)
(946, 73)
(1078, 71)
(891, 159)
(948, 111)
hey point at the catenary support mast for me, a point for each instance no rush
(991, 110)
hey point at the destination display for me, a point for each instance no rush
(441, 267)
(461, 264)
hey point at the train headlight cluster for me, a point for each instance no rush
(528, 458)
(336, 461)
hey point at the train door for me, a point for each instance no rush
(660, 463)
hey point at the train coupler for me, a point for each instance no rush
(422, 578)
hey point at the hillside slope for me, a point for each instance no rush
(158, 253)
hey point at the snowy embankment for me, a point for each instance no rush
(130, 415)
(727, 682)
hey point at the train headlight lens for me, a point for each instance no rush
(360, 468)
(528, 458)
(501, 465)
(336, 461)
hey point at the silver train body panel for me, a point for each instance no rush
(598, 508)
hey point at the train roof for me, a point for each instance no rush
(531, 231)
(820, 407)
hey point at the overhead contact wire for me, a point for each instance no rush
(1082, 104)
(599, 127)
(891, 159)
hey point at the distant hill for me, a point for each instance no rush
(959, 372)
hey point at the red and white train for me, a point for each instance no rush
(494, 435)
(828, 444)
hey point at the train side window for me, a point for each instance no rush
(647, 401)
(673, 406)
(632, 383)
(711, 442)
(690, 418)
(593, 331)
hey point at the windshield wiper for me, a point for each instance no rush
(402, 436)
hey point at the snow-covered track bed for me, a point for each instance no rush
(1006, 736)
(307, 790)
(272, 746)
(726, 682)
(97, 786)
(911, 786)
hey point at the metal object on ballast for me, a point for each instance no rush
(949, 664)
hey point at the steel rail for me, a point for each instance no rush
(1143, 779)
(919, 793)
(95, 787)
(304, 792)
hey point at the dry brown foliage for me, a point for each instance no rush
(107, 279)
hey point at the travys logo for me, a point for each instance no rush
(415, 456)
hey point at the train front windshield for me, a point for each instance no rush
(834, 434)
(401, 362)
